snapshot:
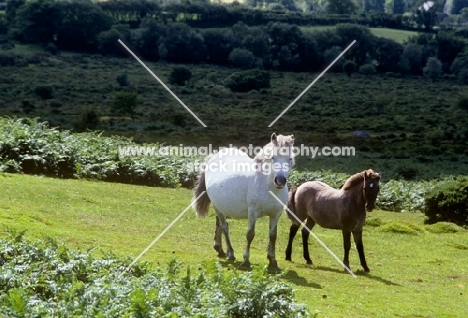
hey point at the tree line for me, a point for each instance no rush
(95, 28)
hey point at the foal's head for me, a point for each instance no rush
(371, 188)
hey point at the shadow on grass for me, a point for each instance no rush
(289, 275)
(359, 273)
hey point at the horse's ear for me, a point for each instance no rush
(273, 138)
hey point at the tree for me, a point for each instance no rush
(248, 80)
(219, 44)
(349, 67)
(125, 102)
(11, 8)
(341, 7)
(411, 58)
(30, 25)
(433, 68)
(458, 6)
(79, 24)
(399, 6)
(180, 75)
(146, 38)
(182, 44)
(242, 58)
(460, 67)
(387, 54)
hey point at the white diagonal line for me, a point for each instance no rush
(311, 84)
(160, 235)
(315, 236)
(162, 83)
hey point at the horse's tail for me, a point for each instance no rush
(202, 205)
(291, 205)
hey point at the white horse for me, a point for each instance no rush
(239, 186)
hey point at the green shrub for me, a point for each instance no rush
(44, 91)
(367, 69)
(47, 279)
(248, 80)
(349, 67)
(7, 59)
(463, 103)
(122, 79)
(443, 227)
(401, 228)
(180, 75)
(448, 201)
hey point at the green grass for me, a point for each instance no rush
(399, 36)
(422, 274)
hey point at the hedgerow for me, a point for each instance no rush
(47, 279)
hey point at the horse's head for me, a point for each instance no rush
(371, 188)
(282, 158)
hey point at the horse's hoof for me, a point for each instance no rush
(309, 262)
(366, 269)
(245, 264)
(221, 255)
(274, 269)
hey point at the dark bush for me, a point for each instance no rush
(7, 59)
(248, 80)
(51, 48)
(88, 120)
(43, 91)
(463, 103)
(180, 75)
(122, 79)
(448, 202)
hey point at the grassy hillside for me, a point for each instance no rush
(416, 270)
(415, 124)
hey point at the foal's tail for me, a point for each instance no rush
(202, 205)
(291, 205)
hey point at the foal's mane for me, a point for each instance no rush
(267, 151)
(357, 178)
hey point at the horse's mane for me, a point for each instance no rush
(267, 151)
(357, 178)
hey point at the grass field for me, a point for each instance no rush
(399, 36)
(416, 270)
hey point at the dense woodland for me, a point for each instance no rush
(236, 35)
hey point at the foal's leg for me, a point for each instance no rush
(357, 235)
(218, 246)
(305, 238)
(225, 228)
(292, 233)
(347, 246)
(272, 236)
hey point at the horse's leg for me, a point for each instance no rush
(305, 238)
(272, 244)
(292, 233)
(357, 235)
(347, 246)
(250, 236)
(225, 228)
(218, 239)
